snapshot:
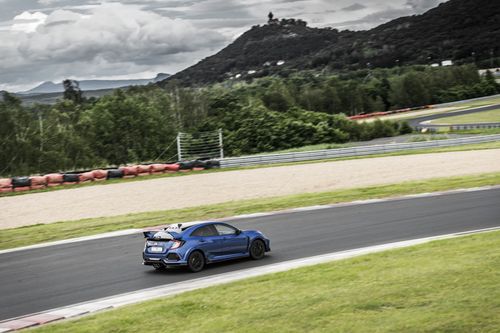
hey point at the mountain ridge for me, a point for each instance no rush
(458, 30)
(48, 87)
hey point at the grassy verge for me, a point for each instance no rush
(478, 146)
(319, 146)
(483, 102)
(439, 110)
(481, 131)
(443, 286)
(491, 116)
(10, 238)
(429, 137)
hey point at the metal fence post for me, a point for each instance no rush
(221, 144)
(179, 153)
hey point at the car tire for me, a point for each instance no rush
(196, 261)
(159, 267)
(257, 249)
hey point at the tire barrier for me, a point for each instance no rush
(86, 177)
(156, 169)
(38, 182)
(211, 164)
(100, 175)
(169, 168)
(5, 185)
(186, 166)
(54, 179)
(17, 184)
(129, 171)
(143, 170)
(71, 178)
(115, 173)
(385, 113)
(21, 184)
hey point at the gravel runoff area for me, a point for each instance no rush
(202, 189)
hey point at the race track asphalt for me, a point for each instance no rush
(50, 277)
(417, 122)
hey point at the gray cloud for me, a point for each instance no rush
(57, 39)
(410, 7)
(374, 19)
(420, 6)
(354, 7)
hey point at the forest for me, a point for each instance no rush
(140, 124)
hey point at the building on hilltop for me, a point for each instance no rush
(272, 20)
(284, 22)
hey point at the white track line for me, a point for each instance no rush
(254, 215)
(181, 287)
(74, 240)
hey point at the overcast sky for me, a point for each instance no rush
(50, 40)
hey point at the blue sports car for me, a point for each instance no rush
(196, 244)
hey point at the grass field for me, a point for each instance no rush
(10, 238)
(444, 286)
(478, 146)
(492, 116)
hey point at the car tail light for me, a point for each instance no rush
(176, 244)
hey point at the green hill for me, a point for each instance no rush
(459, 30)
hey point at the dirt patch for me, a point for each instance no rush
(203, 189)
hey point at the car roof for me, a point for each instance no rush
(180, 227)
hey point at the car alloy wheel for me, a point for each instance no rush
(257, 249)
(196, 261)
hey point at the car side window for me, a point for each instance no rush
(205, 231)
(225, 229)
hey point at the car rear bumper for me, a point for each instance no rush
(148, 261)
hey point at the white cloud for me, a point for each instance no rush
(47, 2)
(108, 39)
(63, 16)
(28, 22)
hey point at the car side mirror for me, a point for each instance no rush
(238, 231)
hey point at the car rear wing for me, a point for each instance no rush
(160, 235)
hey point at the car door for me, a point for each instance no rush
(209, 241)
(233, 242)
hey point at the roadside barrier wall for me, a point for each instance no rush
(57, 179)
(17, 184)
(473, 126)
(349, 152)
(385, 113)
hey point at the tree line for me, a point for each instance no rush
(139, 124)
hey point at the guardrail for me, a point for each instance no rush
(348, 152)
(434, 128)
(473, 126)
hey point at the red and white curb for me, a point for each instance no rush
(172, 289)
(254, 215)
